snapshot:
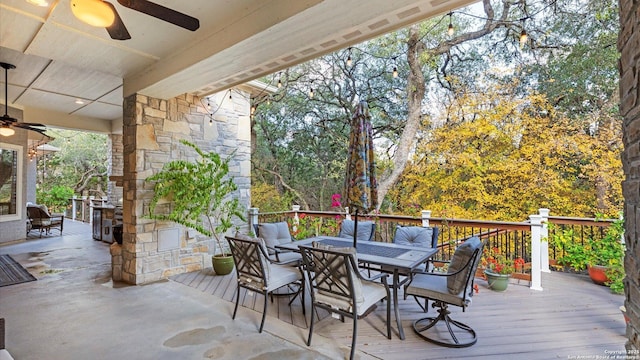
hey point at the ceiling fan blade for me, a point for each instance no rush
(8, 120)
(27, 125)
(117, 30)
(39, 131)
(30, 128)
(162, 13)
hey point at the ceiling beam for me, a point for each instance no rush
(173, 67)
(62, 120)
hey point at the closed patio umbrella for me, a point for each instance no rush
(361, 187)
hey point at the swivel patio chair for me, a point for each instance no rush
(41, 219)
(256, 272)
(338, 287)
(452, 288)
(275, 234)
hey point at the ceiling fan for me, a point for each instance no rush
(103, 14)
(7, 123)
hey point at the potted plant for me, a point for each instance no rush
(602, 258)
(605, 257)
(200, 198)
(498, 268)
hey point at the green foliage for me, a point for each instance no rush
(56, 198)
(575, 254)
(608, 251)
(81, 163)
(200, 194)
(267, 198)
(309, 226)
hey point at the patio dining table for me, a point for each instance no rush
(400, 258)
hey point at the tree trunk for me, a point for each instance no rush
(415, 91)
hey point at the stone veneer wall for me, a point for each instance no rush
(629, 47)
(154, 250)
(115, 166)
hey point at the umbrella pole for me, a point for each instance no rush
(355, 230)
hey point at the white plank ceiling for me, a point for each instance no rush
(70, 74)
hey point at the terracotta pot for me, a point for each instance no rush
(598, 274)
(623, 309)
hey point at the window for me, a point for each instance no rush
(10, 182)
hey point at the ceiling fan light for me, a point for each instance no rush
(93, 12)
(6, 131)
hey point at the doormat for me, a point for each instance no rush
(11, 272)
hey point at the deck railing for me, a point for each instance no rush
(81, 208)
(526, 240)
(581, 228)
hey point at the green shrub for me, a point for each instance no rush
(56, 198)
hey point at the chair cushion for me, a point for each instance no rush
(288, 256)
(40, 222)
(274, 234)
(281, 275)
(461, 257)
(342, 302)
(365, 230)
(414, 235)
(435, 287)
(372, 293)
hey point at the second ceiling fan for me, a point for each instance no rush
(103, 14)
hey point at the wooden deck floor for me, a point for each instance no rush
(570, 317)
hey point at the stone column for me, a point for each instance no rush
(152, 130)
(115, 165)
(629, 47)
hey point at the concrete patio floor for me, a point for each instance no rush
(75, 311)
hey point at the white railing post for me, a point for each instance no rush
(348, 215)
(536, 230)
(73, 208)
(426, 214)
(296, 219)
(84, 200)
(91, 198)
(544, 244)
(253, 219)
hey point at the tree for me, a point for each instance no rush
(81, 164)
(440, 76)
(503, 158)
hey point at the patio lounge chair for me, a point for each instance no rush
(256, 272)
(41, 219)
(338, 286)
(452, 288)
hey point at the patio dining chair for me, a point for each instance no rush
(338, 287)
(452, 288)
(366, 230)
(275, 234)
(419, 236)
(257, 272)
